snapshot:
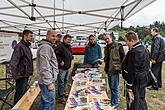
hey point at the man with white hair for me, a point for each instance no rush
(114, 54)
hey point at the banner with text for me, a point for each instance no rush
(7, 43)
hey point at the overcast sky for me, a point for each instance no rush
(151, 13)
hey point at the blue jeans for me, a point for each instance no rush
(62, 81)
(47, 98)
(113, 80)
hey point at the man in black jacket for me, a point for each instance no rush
(157, 49)
(135, 67)
(64, 57)
(21, 64)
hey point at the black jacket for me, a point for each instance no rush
(21, 64)
(136, 65)
(64, 54)
(157, 49)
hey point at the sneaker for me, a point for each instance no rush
(114, 107)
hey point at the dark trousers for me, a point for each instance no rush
(139, 102)
(157, 71)
(20, 88)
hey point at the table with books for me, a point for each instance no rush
(88, 91)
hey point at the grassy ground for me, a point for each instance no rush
(155, 99)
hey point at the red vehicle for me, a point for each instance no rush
(78, 47)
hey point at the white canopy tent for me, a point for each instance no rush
(75, 17)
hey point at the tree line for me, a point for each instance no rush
(143, 32)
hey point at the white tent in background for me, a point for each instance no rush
(76, 17)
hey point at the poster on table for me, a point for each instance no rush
(7, 43)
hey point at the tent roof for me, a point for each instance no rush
(75, 17)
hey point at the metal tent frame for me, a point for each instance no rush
(86, 17)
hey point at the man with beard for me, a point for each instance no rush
(92, 53)
(64, 57)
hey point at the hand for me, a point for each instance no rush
(153, 61)
(51, 87)
(100, 61)
(62, 63)
(130, 97)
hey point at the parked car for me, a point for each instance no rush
(101, 42)
(78, 47)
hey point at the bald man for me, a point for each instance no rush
(47, 69)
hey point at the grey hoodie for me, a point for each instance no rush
(47, 65)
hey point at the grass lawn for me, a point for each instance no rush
(155, 99)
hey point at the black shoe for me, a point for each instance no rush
(160, 86)
(152, 88)
(63, 101)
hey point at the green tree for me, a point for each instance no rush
(121, 38)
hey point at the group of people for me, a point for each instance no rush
(54, 58)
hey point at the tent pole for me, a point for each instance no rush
(54, 23)
(63, 17)
(122, 15)
(18, 8)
